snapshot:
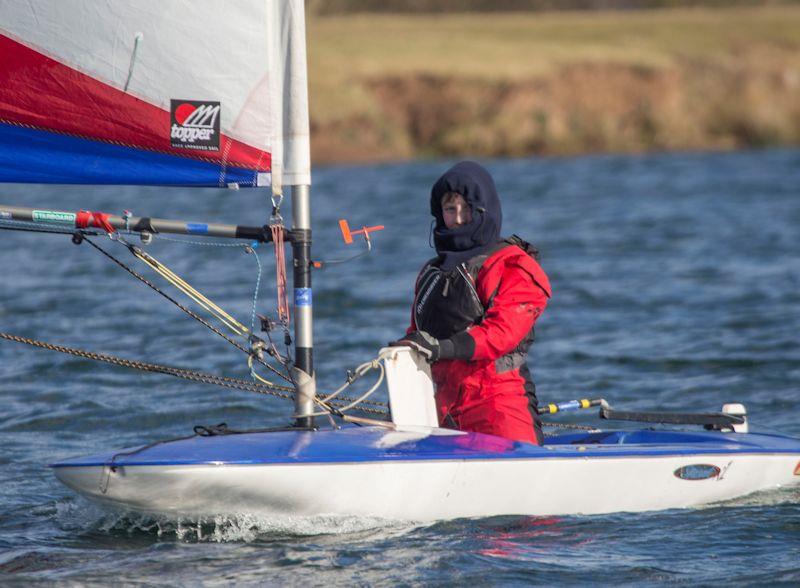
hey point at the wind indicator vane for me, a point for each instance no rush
(347, 234)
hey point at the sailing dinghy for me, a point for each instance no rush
(214, 93)
(416, 472)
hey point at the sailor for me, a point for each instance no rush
(474, 309)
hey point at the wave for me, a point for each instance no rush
(82, 517)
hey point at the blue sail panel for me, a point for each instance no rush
(35, 156)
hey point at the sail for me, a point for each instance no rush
(154, 92)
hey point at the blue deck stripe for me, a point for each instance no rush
(370, 446)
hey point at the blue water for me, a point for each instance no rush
(676, 285)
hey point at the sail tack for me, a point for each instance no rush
(158, 92)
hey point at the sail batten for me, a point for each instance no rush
(194, 90)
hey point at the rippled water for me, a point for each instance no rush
(676, 286)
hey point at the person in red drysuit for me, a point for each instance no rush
(474, 309)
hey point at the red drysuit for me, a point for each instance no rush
(489, 393)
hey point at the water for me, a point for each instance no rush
(676, 285)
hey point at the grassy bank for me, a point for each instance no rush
(339, 7)
(400, 86)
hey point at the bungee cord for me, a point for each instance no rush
(359, 372)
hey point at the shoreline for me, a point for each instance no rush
(673, 80)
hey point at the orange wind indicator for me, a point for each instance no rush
(347, 234)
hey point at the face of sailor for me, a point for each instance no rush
(455, 210)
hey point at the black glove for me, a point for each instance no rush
(423, 343)
(460, 346)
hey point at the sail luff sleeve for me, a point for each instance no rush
(295, 128)
(291, 158)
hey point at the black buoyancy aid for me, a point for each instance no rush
(447, 302)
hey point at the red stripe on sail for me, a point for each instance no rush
(38, 91)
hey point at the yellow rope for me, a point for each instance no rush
(182, 285)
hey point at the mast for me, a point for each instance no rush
(303, 319)
(291, 166)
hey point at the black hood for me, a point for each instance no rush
(476, 185)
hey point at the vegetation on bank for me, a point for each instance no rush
(400, 86)
(338, 7)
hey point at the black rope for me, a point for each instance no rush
(30, 229)
(571, 426)
(276, 390)
(111, 467)
(196, 376)
(199, 431)
(211, 430)
(188, 311)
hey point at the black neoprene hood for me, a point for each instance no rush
(476, 185)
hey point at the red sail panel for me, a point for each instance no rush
(38, 91)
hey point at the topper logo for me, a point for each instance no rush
(195, 124)
(201, 116)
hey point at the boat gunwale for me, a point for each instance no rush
(378, 445)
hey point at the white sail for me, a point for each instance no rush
(112, 73)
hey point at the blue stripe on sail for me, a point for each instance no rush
(39, 157)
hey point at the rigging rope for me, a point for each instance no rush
(211, 307)
(197, 376)
(328, 401)
(188, 311)
(334, 403)
(280, 272)
(252, 249)
(284, 392)
(31, 227)
(249, 249)
(79, 236)
(257, 346)
(567, 426)
(86, 218)
(330, 405)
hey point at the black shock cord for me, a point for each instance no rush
(199, 431)
(188, 311)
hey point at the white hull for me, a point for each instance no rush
(431, 490)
